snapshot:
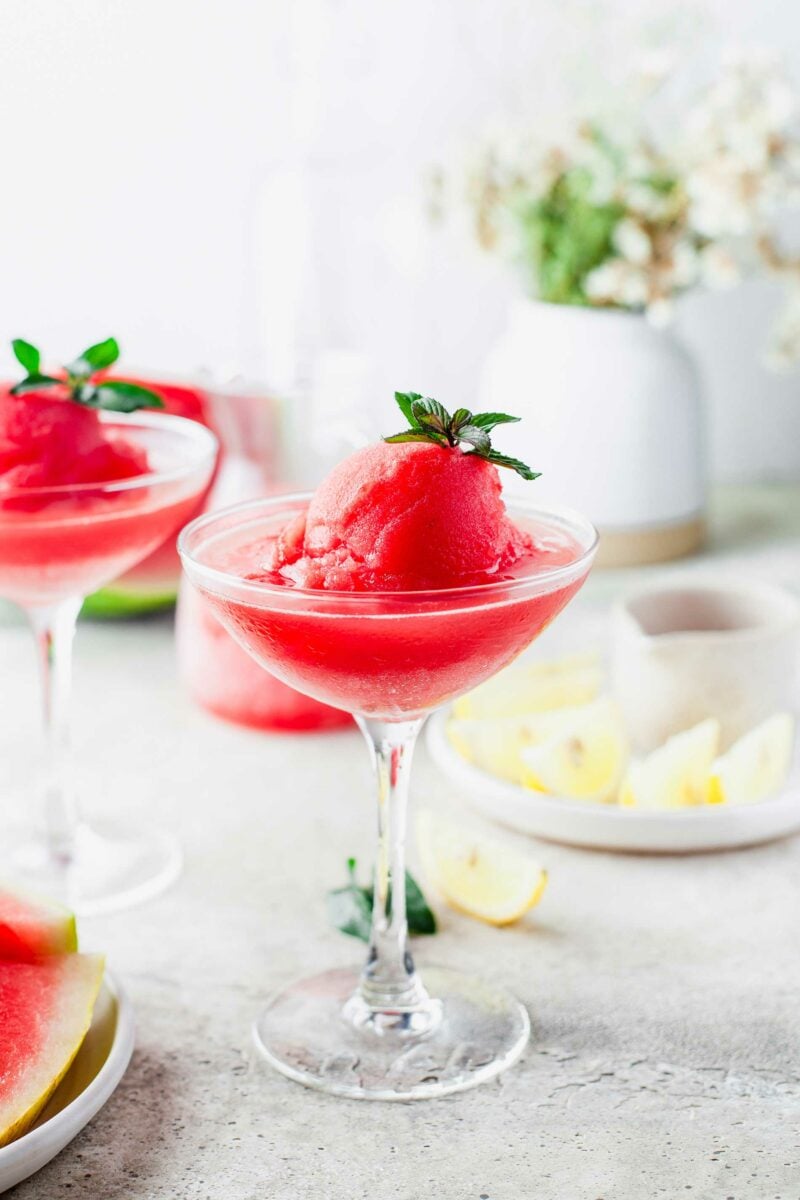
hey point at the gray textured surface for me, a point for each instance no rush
(664, 993)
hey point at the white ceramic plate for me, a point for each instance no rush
(606, 827)
(98, 1067)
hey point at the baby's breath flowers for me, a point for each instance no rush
(600, 219)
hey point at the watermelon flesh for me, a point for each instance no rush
(31, 927)
(45, 1012)
(47, 995)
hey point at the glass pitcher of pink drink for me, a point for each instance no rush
(218, 674)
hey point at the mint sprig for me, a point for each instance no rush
(430, 421)
(350, 907)
(112, 395)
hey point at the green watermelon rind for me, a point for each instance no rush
(109, 603)
(16, 1117)
(45, 928)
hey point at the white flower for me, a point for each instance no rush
(632, 243)
(718, 267)
(643, 201)
(661, 312)
(617, 282)
(685, 265)
(654, 67)
(783, 350)
(723, 202)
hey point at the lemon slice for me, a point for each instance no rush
(483, 878)
(533, 687)
(568, 752)
(756, 765)
(496, 746)
(676, 774)
(584, 755)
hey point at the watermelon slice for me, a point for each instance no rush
(31, 927)
(45, 1011)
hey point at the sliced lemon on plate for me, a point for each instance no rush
(533, 687)
(582, 755)
(676, 774)
(479, 876)
(497, 745)
(578, 752)
(755, 766)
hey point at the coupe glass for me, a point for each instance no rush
(58, 544)
(389, 659)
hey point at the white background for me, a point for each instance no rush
(237, 183)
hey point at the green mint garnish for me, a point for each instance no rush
(431, 422)
(350, 907)
(113, 395)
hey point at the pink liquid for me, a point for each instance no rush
(71, 544)
(224, 679)
(395, 656)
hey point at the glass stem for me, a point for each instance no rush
(54, 630)
(390, 986)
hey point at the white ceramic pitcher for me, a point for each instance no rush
(681, 654)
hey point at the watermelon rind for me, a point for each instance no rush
(32, 926)
(109, 603)
(26, 1085)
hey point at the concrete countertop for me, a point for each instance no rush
(664, 992)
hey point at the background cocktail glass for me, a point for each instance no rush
(57, 544)
(389, 659)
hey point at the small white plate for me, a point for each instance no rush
(98, 1067)
(607, 827)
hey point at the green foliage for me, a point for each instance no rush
(565, 235)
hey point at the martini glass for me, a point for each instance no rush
(389, 658)
(58, 544)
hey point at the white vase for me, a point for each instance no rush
(612, 417)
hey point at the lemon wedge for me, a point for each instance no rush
(497, 745)
(478, 876)
(578, 752)
(533, 687)
(756, 765)
(676, 774)
(582, 756)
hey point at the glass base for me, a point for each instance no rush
(110, 867)
(313, 1033)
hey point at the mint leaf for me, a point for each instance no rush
(85, 393)
(405, 401)
(514, 464)
(117, 395)
(431, 422)
(488, 421)
(35, 383)
(411, 435)
(27, 355)
(430, 414)
(420, 917)
(350, 907)
(476, 437)
(96, 357)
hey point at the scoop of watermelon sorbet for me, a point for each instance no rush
(402, 517)
(46, 440)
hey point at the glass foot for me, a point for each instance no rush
(110, 867)
(308, 1033)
